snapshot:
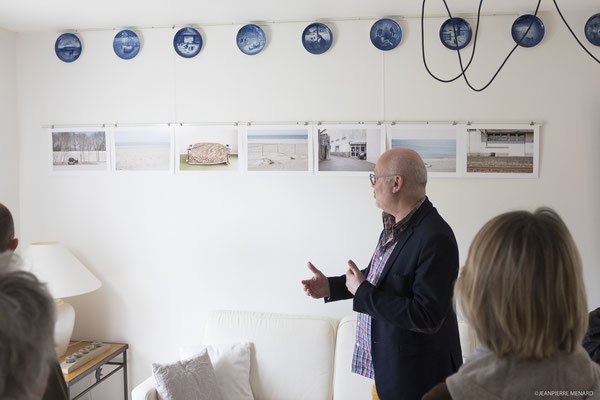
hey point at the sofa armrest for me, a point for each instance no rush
(145, 390)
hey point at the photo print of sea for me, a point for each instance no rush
(348, 149)
(207, 148)
(79, 151)
(283, 149)
(439, 155)
(142, 149)
(500, 151)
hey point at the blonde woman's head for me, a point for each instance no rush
(522, 287)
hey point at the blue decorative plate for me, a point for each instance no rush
(251, 39)
(535, 34)
(187, 42)
(67, 47)
(592, 29)
(126, 44)
(386, 34)
(463, 33)
(317, 38)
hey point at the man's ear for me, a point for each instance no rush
(398, 183)
(12, 245)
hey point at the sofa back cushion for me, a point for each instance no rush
(291, 356)
(346, 384)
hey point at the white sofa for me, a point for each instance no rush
(292, 357)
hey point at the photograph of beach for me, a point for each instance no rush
(493, 150)
(435, 145)
(278, 149)
(143, 149)
(207, 148)
(79, 151)
(348, 148)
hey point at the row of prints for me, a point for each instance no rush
(490, 150)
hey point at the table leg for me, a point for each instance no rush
(126, 392)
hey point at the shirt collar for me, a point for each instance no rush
(392, 228)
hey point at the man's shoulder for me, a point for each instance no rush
(431, 221)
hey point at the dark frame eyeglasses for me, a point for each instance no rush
(373, 178)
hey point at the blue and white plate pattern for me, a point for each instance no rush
(67, 47)
(463, 33)
(535, 34)
(187, 42)
(592, 29)
(126, 44)
(251, 39)
(317, 38)
(386, 34)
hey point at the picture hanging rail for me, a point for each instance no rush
(448, 149)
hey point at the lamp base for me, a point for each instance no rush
(63, 329)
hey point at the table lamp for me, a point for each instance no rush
(65, 276)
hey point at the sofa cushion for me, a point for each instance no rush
(192, 379)
(232, 367)
(291, 356)
(346, 384)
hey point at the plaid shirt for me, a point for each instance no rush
(362, 363)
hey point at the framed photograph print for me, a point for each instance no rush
(143, 149)
(502, 151)
(438, 145)
(278, 149)
(348, 149)
(207, 149)
(76, 150)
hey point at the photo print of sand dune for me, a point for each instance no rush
(437, 146)
(278, 149)
(79, 150)
(504, 151)
(207, 148)
(143, 149)
(348, 148)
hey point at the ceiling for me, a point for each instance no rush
(35, 15)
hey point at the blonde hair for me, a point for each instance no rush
(522, 287)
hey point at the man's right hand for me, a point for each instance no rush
(316, 287)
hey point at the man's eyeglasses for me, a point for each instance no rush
(373, 178)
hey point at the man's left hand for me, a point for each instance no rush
(353, 277)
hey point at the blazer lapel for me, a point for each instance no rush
(401, 242)
(425, 208)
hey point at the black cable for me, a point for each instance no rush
(573, 33)
(455, 40)
(463, 70)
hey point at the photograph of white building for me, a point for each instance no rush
(348, 148)
(500, 150)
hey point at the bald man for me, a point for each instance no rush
(406, 334)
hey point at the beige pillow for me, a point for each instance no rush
(231, 363)
(192, 379)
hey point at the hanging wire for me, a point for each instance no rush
(462, 68)
(573, 33)
(423, 44)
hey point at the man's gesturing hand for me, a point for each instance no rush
(318, 286)
(353, 277)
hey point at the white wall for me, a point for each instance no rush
(9, 136)
(170, 248)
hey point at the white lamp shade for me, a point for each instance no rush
(64, 274)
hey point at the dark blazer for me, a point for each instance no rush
(414, 332)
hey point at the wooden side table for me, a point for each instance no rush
(95, 366)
